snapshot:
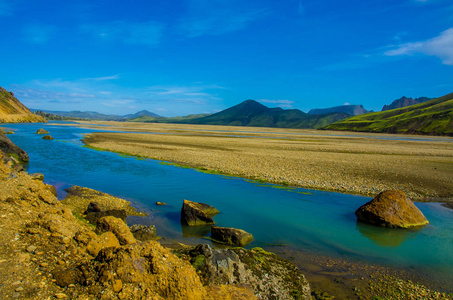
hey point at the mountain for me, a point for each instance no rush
(13, 111)
(92, 115)
(353, 110)
(141, 113)
(179, 120)
(252, 113)
(403, 102)
(433, 117)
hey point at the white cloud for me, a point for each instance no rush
(113, 77)
(147, 33)
(281, 103)
(38, 34)
(217, 17)
(118, 102)
(440, 46)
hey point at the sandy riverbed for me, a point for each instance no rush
(339, 161)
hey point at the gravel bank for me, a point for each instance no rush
(352, 163)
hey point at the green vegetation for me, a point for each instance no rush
(434, 117)
(183, 120)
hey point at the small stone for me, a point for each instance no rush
(117, 285)
(19, 289)
(33, 230)
(31, 248)
(44, 264)
(160, 203)
(60, 295)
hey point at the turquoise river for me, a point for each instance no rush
(316, 221)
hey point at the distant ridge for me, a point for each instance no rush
(92, 115)
(13, 111)
(403, 102)
(433, 117)
(253, 113)
(353, 110)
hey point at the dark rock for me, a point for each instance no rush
(143, 232)
(64, 277)
(93, 217)
(93, 207)
(42, 131)
(194, 214)
(270, 276)
(231, 236)
(391, 209)
(47, 137)
(9, 148)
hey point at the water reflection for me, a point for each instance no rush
(386, 237)
(195, 231)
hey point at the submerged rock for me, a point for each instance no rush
(143, 232)
(195, 214)
(269, 276)
(391, 209)
(231, 236)
(41, 131)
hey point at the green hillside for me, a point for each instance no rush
(434, 117)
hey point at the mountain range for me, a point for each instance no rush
(403, 102)
(92, 115)
(432, 117)
(353, 110)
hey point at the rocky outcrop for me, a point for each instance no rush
(10, 149)
(267, 275)
(13, 111)
(195, 214)
(41, 131)
(94, 212)
(391, 209)
(143, 232)
(48, 137)
(231, 236)
(117, 227)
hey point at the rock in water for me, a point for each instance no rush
(391, 209)
(47, 137)
(41, 131)
(195, 214)
(143, 232)
(231, 236)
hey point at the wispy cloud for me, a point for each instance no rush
(216, 17)
(105, 78)
(146, 33)
(440, 46)
(198, 94)
(281, 103)
(38, 34)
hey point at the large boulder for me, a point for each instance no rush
(143, 232)
(266, 274)
(117, 227)
(391, 209)
(231, 236)
(10, 149)
(196, 214)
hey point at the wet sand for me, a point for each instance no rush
(345, 162)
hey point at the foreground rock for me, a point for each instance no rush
(231, 236)
(10, 149)
(391, 209)
(143, 232)
(196, 214)
(269, 276)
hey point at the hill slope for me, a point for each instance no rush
(13, 111)
(353, 110)
(92, 115)
(434, 117)
(403, 102)
(252, 113)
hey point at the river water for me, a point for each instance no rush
(315, 221)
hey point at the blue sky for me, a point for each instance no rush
(181, 57)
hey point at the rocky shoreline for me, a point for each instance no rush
(51, 251)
